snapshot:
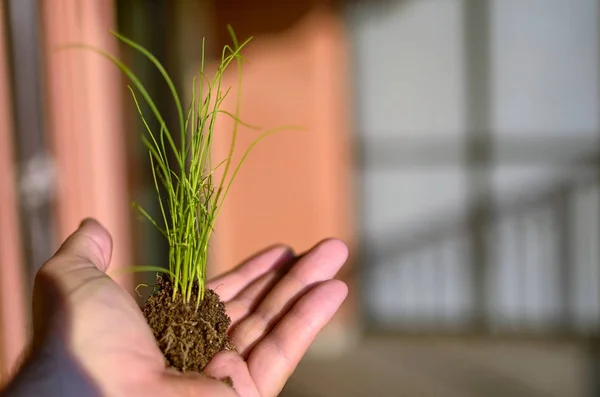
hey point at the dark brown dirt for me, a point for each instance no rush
(188, 338)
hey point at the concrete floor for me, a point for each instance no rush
(445, 368)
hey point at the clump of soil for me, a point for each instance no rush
(188, 338)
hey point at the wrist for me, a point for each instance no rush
(51, 371)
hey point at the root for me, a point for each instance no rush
(185, 350)
(212, 331)
(170, 338)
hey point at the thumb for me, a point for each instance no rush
(90, 245)
(83, 257)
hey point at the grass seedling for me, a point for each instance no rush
(190, 199)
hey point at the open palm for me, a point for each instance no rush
(98, 339)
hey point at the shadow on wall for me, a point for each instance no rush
(271, 17)
(251, 18)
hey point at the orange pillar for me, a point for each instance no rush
(295, 187)
(12, 299)
(85, 121)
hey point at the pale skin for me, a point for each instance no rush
(90, 337)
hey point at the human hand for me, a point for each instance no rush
(91, 339)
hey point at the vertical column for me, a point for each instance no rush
(565, 257)
(478, 145)
(35, 165)
(149, 23)
(12, 306)
(594, 340)
(85, 121)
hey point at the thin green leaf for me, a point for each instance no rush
(149, 218)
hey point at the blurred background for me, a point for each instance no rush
(453, 144)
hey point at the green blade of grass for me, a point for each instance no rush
(166, 77)
(188, 199)
(136, 82)
(142, 211)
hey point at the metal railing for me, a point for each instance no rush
(540, 271)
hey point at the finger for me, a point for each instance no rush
(275, 358)
(91, 243)
(250, 297)
(232, 282)
(195, 384)
(319, 264)
(228, 363)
